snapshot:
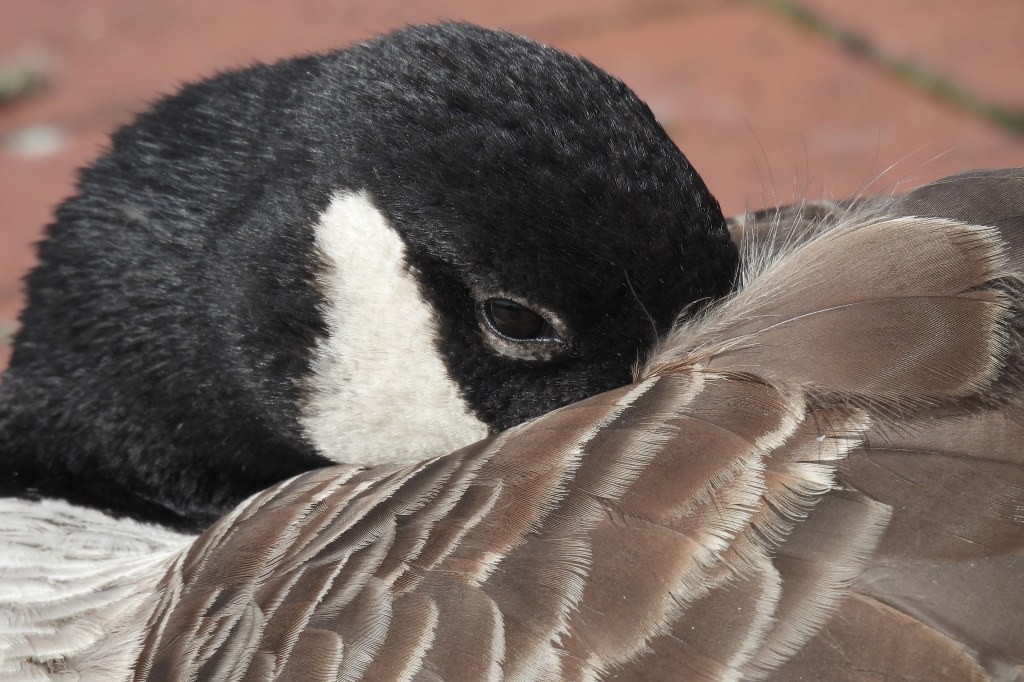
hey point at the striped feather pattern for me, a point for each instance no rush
(820, 478)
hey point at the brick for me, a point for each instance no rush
(976, 44)
(769, 113)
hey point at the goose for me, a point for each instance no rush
(369, 257)
(818, 478)
(373, 255)
(814, 479)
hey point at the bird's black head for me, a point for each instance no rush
(375, 253)
(518, 173)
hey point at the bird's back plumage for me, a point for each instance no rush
(820, 478)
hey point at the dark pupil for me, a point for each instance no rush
(513, 320)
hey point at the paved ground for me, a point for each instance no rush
(769, 98)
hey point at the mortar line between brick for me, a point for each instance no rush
(911, 72)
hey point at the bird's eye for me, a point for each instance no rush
(515, 321)
(521, 333)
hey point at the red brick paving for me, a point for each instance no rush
(762, 108)
(977, 44)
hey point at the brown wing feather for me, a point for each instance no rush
(816, 480)
(981, 197)
(868, 641)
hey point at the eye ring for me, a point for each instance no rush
(514, 321)
(519, 331)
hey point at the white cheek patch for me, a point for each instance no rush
(379, 390)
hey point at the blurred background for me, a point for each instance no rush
(770, 99)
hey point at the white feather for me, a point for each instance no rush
(69, 575)
(364, 406)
